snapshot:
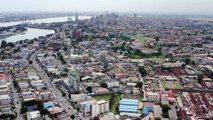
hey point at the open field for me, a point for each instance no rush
(142, 38)
(102, 97)
(170, 84)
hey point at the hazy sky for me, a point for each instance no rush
(145, 6)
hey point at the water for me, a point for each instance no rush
(29, 34)
(46, 20)
(35, 33)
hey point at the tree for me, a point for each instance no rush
(142, 71)
(89, 89)
(165, 108)
(30, 62)
(3, 44)
(187, 61)
(139, 85)
(157, 38)
(103, 84)
(200, 77)
(72, 117)
(69, 96)
(63, 94)
(10, 44)
(65, 48)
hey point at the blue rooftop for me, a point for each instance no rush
(48, 105)
(126, 108)
(146, 110)
(129, 102)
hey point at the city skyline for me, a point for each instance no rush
(203, 7)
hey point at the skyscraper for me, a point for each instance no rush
(74, 79)
(76, 16)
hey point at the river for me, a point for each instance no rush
(35, 33)
(29, 34)
(46, 20)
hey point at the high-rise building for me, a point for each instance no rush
(76, 16)
(94, 108)
(74, 79)
(77, 34)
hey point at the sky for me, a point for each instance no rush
(137, 6)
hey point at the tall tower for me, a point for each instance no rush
(76, 16)
(74, 79)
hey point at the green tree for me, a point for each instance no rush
(30, 62)
(69, 96)
(63, 94)
(157, 38)
(200, 76)
(187, 61)
(89, 89)
(65, 48)
(103, 84)
(3, 44)
(142, 71)
(10, 44)
(72, 117)
(139, 84)
(165, 108)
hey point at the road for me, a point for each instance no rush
(63, 102)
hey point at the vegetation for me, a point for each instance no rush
(61, 58)
(142, 71)
(165, 109)
(187, 61)
(103, 84)
(89, 89)
(139, 85)
(142, 38)
(137, 54)
(170, 84)
(7, 116)
(103, 97)
(200, 76)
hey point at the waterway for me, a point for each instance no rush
(35, 33)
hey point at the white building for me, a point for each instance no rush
(4, 89)
(79, 97)
(35, 115)
(5, 99)
(112, 84)
(93, 108)
(45, 96)
(152, 96)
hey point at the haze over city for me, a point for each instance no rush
(140, 6)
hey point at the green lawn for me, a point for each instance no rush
(170, 84)
(142, 38)
(103, 97)
(140, 98)
(116, 103)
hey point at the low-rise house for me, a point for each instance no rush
(113, 84)
(4, 89)
(173, 114)
(101, 91)
(79, 97)
(34, 115)
(45, 96)
(5, 99)
(150, 96)
(27, 96)
(157, 112)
